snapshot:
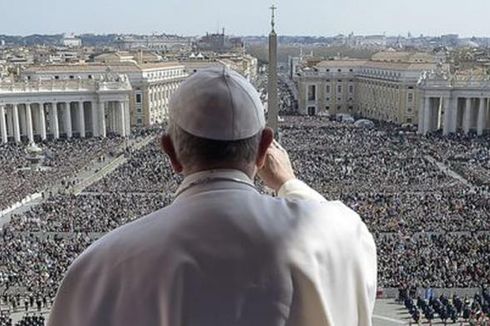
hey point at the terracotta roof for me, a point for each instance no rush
(340, 63)
(101, 67)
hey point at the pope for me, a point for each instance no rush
(223, 253)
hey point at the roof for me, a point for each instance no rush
(341, 63)
(121, 67)
(403, 56)
(399, 65)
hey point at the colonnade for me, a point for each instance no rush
(43, 120)
(453, 113)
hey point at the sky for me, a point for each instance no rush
(246, 17)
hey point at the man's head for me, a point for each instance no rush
(216, 121)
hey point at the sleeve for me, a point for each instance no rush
(296, 189)
(369, 257)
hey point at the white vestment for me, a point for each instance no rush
(223, 254)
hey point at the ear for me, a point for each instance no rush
(168, 147)
(265, 142)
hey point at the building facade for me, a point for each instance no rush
(328, 88)
(454, 103)
(152, 84)
(383, 88)
(37, 110)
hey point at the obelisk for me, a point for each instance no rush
(273, 109)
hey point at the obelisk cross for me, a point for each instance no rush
(273, 8)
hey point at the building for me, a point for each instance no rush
(72, 41)
(152, 84)
(244, 64)
(42, 109)
(328, 88)
(383, 88)
(153, 42)
(454, 102)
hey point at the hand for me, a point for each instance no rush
(277, 168)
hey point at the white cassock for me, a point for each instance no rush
(222, 254)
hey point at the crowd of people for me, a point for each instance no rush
(88, 213)
(62, 160)
(431, 229)
(27, 320)
(475, 310)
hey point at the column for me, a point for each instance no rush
(448, 115)
(10, 122)
(453, 105)
(121, 119)
(481, 117)
(30, 131)
(102, 122)
(42, 121)
(16, 123)
(127, 118)
(3, 124)
(421, 116)
(55, 127)
(467, 115)
(67, 120)
(427, 115)
(95, 119)
(22, 119)
(81, 120)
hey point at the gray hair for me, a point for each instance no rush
(192, 150)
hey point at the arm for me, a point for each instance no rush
(296, 189)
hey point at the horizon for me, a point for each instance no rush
(237, 35)
(310, 18)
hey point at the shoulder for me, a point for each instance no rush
(125, 242)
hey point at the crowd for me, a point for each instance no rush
(89, 213)
(476, 310)
(439, 260)
(62, 160)
(27, 320)
(146, 171)
(431, 230)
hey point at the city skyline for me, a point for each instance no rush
(311, 17)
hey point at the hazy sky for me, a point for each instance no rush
(246, 17)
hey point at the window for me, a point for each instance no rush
(89, 76)
(339, 99)
(72, 77)
(409, 120)
(328, 70)
(139, 121)
(311, 92)
(409, 110)
(339, 70)
(56, 77)
(327, 108)
(327, 89)
(351, 89)
(138, 98)
(410, 97)
(351, 70)
(328, 99)
(339, 89)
